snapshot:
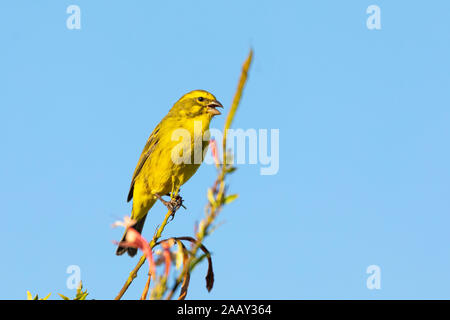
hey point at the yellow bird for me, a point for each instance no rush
(171, 156)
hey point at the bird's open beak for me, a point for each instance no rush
(212, 108)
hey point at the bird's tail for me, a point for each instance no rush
(131, 251)
(143, 210)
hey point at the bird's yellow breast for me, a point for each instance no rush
(177, 155)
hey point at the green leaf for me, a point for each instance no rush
(231, 169)
(211, 197)
(46, 297)
(201, 227)
(179, 257)
(80, 295)
(36, 297)
(64, 297)
(230, 198)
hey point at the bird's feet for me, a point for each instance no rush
(173, 205)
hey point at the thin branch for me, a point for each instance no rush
(133, 273)
(147, 286)
(235, 104)
(213, 209)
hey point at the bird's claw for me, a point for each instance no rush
(173, 205)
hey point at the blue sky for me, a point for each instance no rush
(363, 115)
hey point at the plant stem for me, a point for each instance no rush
(214, 209)
(133, 273)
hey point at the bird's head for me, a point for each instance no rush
(197, 103)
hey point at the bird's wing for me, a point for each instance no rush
(149, 147)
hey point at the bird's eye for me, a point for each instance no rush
(200, 99)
